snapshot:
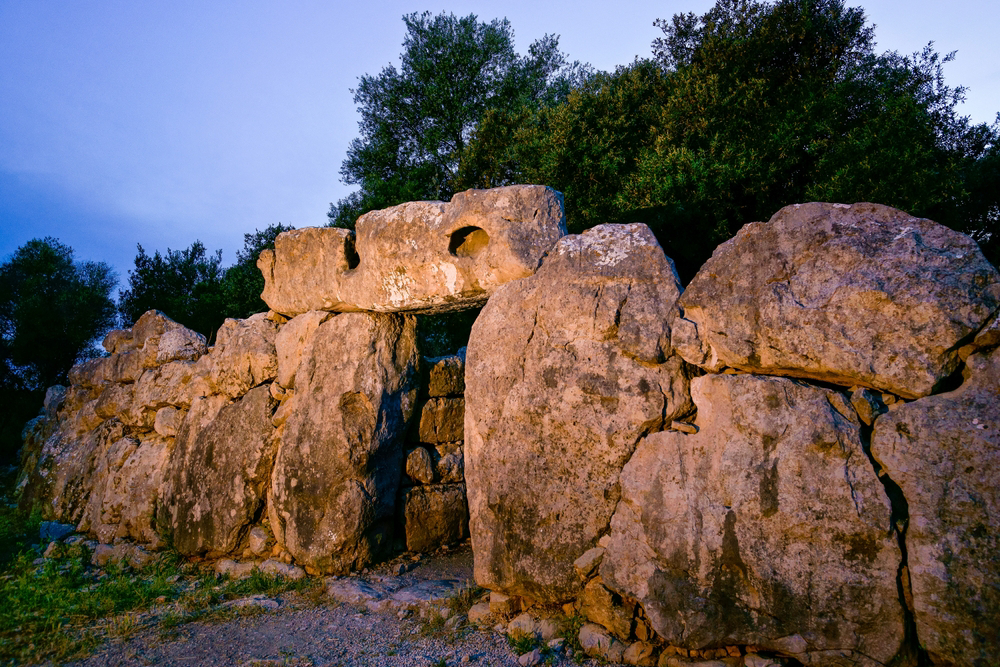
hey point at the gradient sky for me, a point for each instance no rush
(155, 122)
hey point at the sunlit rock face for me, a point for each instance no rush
(420, 257)
(340, 453)
(853, 295)
(767, 527)
(565, 371)
(943, 451)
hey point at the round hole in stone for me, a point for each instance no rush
(468, 241)
(351, 254)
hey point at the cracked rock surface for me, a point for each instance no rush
(943, 451)
(565, 371)
(767, 527)
(861, 295)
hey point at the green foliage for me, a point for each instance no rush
(52, 310)
(191, 287)
(185, 284)
(416, 121)
(748, 108)
(243, 282)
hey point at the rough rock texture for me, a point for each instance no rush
(854, 295)
(291, 340)
(435, 515)
(943, 451)
(767, 527)
(219, 474)
(122, 502)
(305, 270)
(446, 375)
(442, 420)
(566, 371)
(244, 355)
(333, 488)
(416, 257)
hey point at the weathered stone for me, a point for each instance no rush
(53, 530)
(167, 421)
(117, 340)
(868, 404)
(115, 400)
(219, 475)
(588, 563)
(175, 384)
(640, 653)
(61, 479)
(122, 500)
(180, 344)
(415, 257)
(598, 643)
(419, 466)
(531, 658)
(716, 532)
(244, 355)
(338, 466)
(435, 515)
(306, 269)
(524, 624)
(279, 569)
(480, 613)
(854, 295)
(128, 366)
(442, 420)
(450, 465)
(601, 606)
(566, 371)
(943, 451)
(504, 606)
(151, 324)
(91, 373)
(259, 541)
(446, 375)
(291, 340)
(229, 567)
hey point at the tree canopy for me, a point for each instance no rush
(743, 110)
(52, 311)
(416, 121)
(191, 287)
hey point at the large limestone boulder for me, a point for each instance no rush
(122, 502)
(339, 461)
(943, 451)
(854, 295)
(219, 474)
(306, 269)
(566, 371)
(292, 339)
(244, 355)
(767, 527)
(416, 257)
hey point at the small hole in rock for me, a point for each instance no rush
(468, 241)
(350, 254)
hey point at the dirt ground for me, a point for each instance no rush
(297, 630)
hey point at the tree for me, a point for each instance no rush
(743, 110)
(242, 283)
(52, 312)
(185, 284)
(416, 122)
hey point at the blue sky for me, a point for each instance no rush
(155, 122)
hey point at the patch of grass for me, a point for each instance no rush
(50, 610)
(433, 623)
(522, 642)
(462, 601)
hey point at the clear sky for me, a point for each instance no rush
(162, 122)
